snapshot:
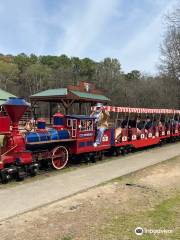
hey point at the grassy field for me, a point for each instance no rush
(164, 215)
(149, 198)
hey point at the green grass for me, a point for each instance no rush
(165, 215)
(67, 238)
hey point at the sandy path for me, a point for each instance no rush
(28, 196)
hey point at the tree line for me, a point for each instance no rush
(24, 75)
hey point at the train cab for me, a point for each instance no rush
(83, 129)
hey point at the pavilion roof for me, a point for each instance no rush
(90, 96)
(61, 93)
(51, 92)
(4, 95)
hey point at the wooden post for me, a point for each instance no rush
(67, 104)
(33, 110)
(80, 108)
(50, 112)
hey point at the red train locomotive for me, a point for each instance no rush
(73, 136)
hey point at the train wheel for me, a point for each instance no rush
(92, 158)
(20, 175)
(117, 152)
(129, 149)
(100, 155)
(59, 157)
(4, 177)
(33, 170)
(124, 151)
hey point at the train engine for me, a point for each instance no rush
(22, 152)
(15, 159)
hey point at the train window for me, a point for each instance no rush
(83, 125)
(74, 123)
(69, 122)
(86, 125)
(90, 125)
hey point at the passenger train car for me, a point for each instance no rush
(73, 136)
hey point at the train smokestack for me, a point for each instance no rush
(15, 108)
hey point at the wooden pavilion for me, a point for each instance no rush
(84, 93)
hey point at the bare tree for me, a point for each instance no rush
(170, 50)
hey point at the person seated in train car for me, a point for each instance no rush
(101, 121)
(140, 126)
(174, 124)
(119, 122)
(167, 123)
(83, 125)
(160, 125)
(118, 134)
(132, 123)
(89, 125)
(118, 130)
(163, 121)
(154, 125)
(30, 125)
(148, 123)
(178, 121)
(124, 123)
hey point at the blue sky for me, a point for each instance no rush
(130, 30)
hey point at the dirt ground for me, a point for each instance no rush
(149, 198)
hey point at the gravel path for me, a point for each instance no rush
(28, 196)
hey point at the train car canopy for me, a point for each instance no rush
(139, 110)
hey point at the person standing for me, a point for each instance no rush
(101, 121)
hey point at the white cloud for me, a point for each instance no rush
(142, 52)
(20, 24)
(84, 28)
